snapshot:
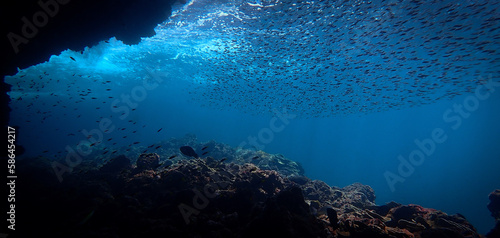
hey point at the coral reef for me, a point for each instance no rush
(358, 216)
(213, 149)
(494, 207)
(148, 161)
(207, 197)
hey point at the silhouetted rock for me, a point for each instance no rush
(284, 215)
(384, 209)
(495, 232)
(209, 198)
(494, 205)
(332, 216)
(148, 161)
(116, 164)
(301, 180)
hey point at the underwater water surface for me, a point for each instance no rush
(403, 96)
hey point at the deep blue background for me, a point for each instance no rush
(340, 149)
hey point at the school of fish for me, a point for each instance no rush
(323, 58)
(326, 58)
(315, 58)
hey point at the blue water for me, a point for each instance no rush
(346, 111)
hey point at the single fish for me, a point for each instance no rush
(188, 151)
(173, 156)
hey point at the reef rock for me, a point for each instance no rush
(356, 195)
(116, 164)
(494, 205)
(495, 232)
(148, 161)
(216, 150)
(275, 162)
(207, 197)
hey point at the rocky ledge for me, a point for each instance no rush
(494, 207)
(213, 197)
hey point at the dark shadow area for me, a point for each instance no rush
(33, 30)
